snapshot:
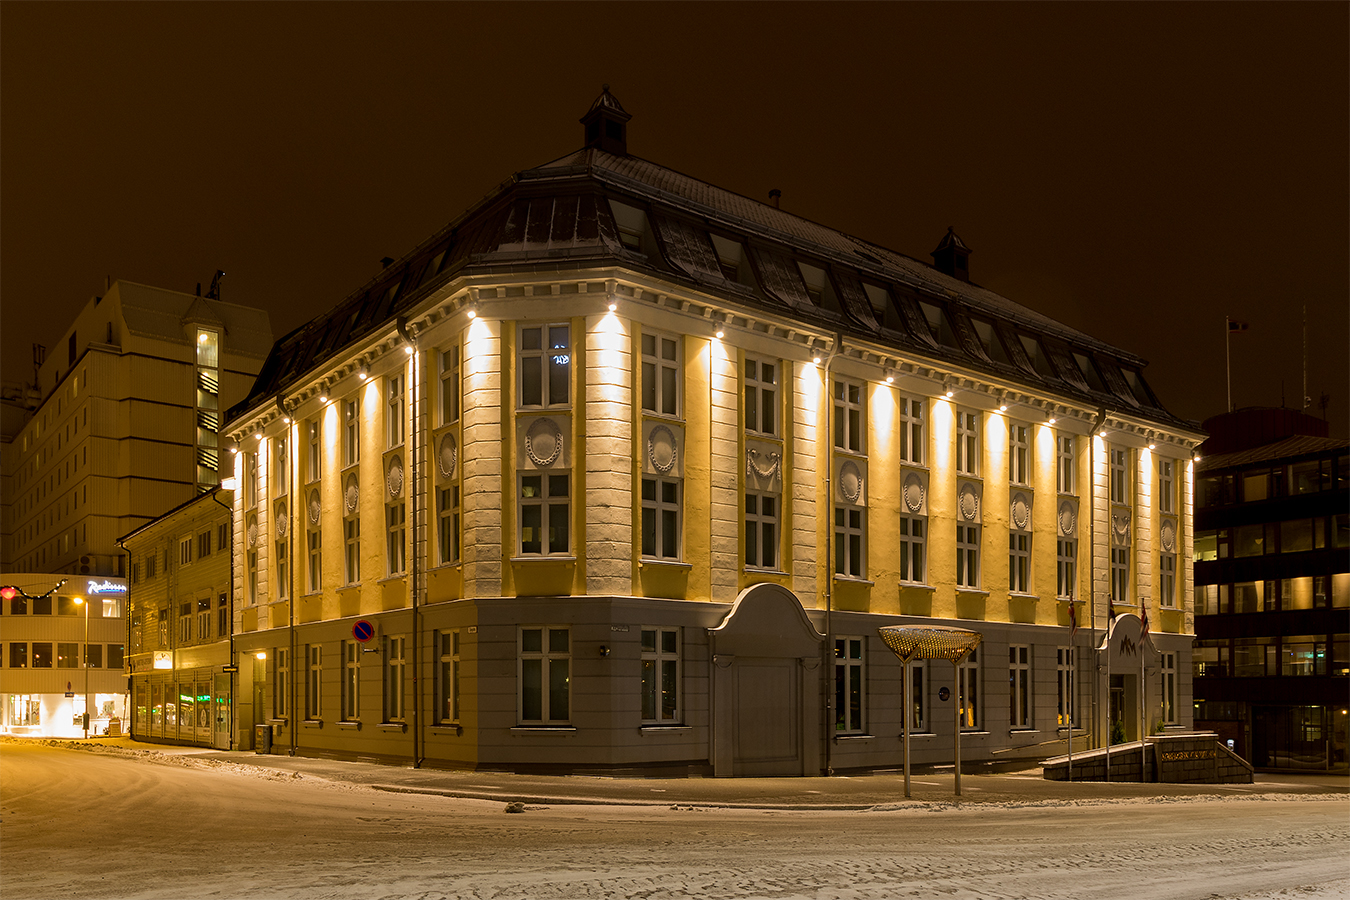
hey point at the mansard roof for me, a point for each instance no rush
(561, 215)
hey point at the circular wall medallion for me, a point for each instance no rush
(351, 494)
(394, 478)
(1169, 535)
(914, 492)
(1021, 510)
(661, 449)
(314, 507)
(448, 455)
(251, 533)
(1068, 519)
(543, 443)
(850, 481)
(970, 503)
(282, 520)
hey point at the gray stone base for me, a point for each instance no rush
(1194, 758)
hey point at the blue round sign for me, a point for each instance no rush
(363, 630)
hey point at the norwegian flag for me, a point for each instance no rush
(1143, 625)
(1073, 620)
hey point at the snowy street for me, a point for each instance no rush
(90, 824)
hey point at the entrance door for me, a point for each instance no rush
(1117, 714)
(768, 735)
(221, 710)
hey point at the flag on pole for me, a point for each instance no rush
(1073, 621)
(1143, 625)
(1111, 610)
(1235, 325)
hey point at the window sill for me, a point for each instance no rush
(758, 571)
(397, 576)
(916, 586)
(1024, 731)
(853, 737)
(652, 729)
(312, 595)
(353, 724)
(283, 721)
(664, 563)
(1077, 729)
(352, 586)
(447, 728)
(853, 579)
(535, 560)
(974, 733)
(979, 592)
(544, 729)
(348, 467)
(1019, 595)
(313, 723)
(916, 734)
(393, 726)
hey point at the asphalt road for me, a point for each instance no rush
(117, 825)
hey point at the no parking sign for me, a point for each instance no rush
(363, 631)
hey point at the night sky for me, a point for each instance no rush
(1137, 171)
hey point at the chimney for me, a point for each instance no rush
(952, 256)
(386, 262)
(775, 196)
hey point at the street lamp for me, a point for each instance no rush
(81, 602)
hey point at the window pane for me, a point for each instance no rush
(532, 640)
(531, 381)
(557, 689)
(531, 696)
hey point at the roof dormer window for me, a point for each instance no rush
(632, 225)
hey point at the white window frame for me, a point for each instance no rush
(1065, 461)
(351, 682)
(550, 362)
(662, 517)
(447, 683)
(913, 549)
(549, 657)
(758, 526)
(546, 501)
(185, 610)
(395, 671)
(1066, 566)
(1167, 580)
(313, 450)
(1166, 486)
(968, 699)
(393, 410)
(968, 557)
(283, 589)
(850, 681)
(967, 443)
(1169, 688)
(661, 374)
(448, 517)
(1065, 707)
(1020, 687)
(913, 430)
(918, 696)
(1019, 562)
(849, 433)
(351, 432)
(1118, 460)
(281, 688)
(351, 536)
(1120, 575)
(761, 395)
(396, 547)
(661, 674)
(314, 540)
(204, 620)
(185, 551)
(449, 385)
(280, 466)
(850, 541)
(1019, 453)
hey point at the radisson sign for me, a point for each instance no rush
(105, 587)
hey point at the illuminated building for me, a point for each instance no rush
(1272, 574)
(50, 647)
(124, 424)
(179, 622)
(623, 471)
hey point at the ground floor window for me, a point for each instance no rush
(1019, 686)
(968, 691)
(393, 678)
(918, 697)
(351, 681)
(25, 710)
(1169, 688)
(849, 685)
(1064, 703)
(545, 674)
(661, 675)
(313, 680)
(448, 682)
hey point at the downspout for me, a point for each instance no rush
(418, 545)
(1092, 576)
(828, 667)
(234, 676)
(292, 511)
(126, 654)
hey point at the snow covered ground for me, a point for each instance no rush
(141, 824)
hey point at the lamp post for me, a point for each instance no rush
(82, 602)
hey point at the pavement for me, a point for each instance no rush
(932, 787)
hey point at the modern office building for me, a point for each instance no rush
(1272, 574)
(179, 621)
(63, 639)
(620, 471)
(122, 424)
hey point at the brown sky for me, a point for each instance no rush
(1137, 171)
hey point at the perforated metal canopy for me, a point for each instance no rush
(910, 642)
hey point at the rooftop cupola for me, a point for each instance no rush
(952, 256)
(607, 124)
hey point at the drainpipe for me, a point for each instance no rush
(418, 545)
(828, 667)
(234, 676)
(126, 652)
(1092, 581)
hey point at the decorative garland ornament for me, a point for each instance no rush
(775, 464)
(251, 532)
(970, 503)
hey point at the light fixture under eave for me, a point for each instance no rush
(890, 376)
(261, 654)
(613, 306)
(323, 398)
(1153, 446)
(1196, 458)
(816, 360)
(471, 309)
(363, 373)
(257, 435)
(1050, 421)
(1102, 433)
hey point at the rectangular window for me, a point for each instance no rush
(42, 655)
(313, 681)
(18, 655)
(545, 504)
(315, 560)
(185, 551)
(393, 678)
(545, 675)
(661, 675)
(351, 681)
(918, 698)
(761, 396)
(312, 454)
(912, 430)
(67, 656)
(912, 548)
(250, 480)
(93, 656)
(1303, 655)
(223, 536)
(660, 374)
(968, 691)
(967, 556)
(184, 623)
(351, 433)
(761, 530)
(397, 547)
(1066, 710)
(661, 518)
(1118, 474)
(163, 629)
(251, 573)
(967, 443)
(282, 691)
(447, 501)
(283, 569)
(1166, 490)
(203, 544)
(848, 685)
(280, 466)
(1019, 686)
(1167, 580)
(447, 684)
(1019, 562)
(1066, 567)
(545, 365)
(352, 535)
(848, 542)
(1064, 463)
(393, 410)
(1120, 574)
(450, 385)
(1169, 688)
(1019, 454)
(848, 423)
(204, 620)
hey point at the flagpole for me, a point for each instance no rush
(1228, 357)
(1110, 620)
